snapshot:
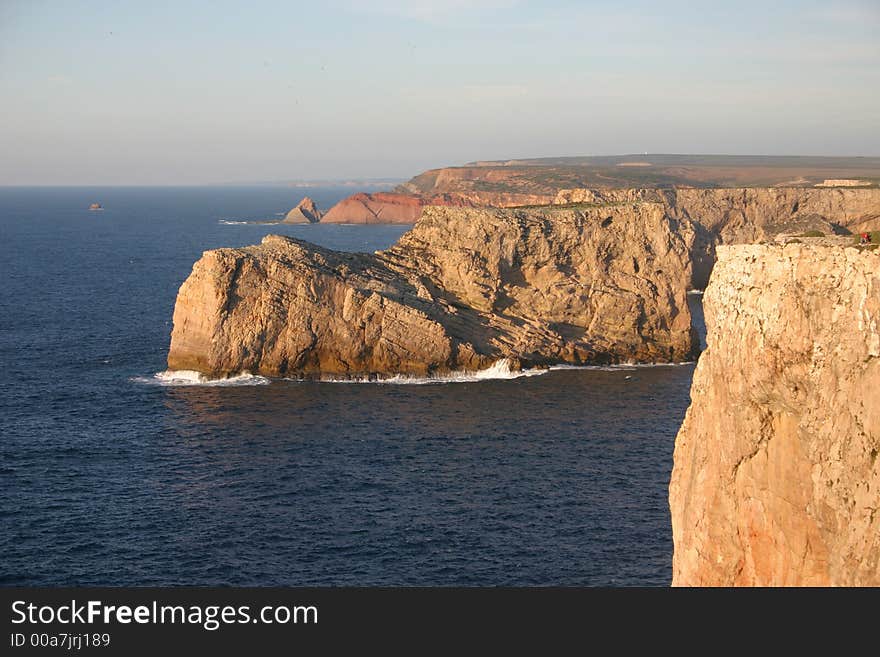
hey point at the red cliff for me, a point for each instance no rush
(386, 208)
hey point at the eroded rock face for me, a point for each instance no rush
(306, 212)
(405, 208)
(378, 208)
(496, 187)
(387, 208)
(721, 216)
(747, 215)
(777, 477)
(461, 290)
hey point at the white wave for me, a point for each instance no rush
(620, 367)
(696, 293)
(595, 368)
(229, 222)
(500, 370)
(190, 378)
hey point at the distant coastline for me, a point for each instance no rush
(379, 183)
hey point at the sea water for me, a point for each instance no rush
(115, 471)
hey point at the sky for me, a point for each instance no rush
(197, 92)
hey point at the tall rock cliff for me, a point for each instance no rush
(462, 289)
(777, 477)
(740, 216)
(377, 208)
(748, 214)
(387, 208)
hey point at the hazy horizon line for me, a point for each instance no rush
(388, 180)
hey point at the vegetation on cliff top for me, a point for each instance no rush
(548, 175)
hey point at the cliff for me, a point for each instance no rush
(495, 186)
(748, 215)
(306, 212)
(751, 214)
(777, 478)
(386, 208)
(721, 216)
(462, 289)
(378, 208)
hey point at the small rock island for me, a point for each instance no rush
(306, 212)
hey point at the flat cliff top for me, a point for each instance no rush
(546, 176)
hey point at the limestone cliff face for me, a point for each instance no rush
(728, 215)
(722, 216)
(749, 214)
(777, 477)
(462, 289)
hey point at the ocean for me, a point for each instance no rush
(113, 473)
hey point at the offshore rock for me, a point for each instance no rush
(463, 289)
(306, 212)
(777, 477)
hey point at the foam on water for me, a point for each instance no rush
(191, 378)
(255, 222)
(695, 293)
(620, 367)
(595, 368)
(500, 370)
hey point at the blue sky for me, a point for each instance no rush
(99, 92)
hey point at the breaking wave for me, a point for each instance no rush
(620, 367)
(230, 222)
(172, 378)
(500, 370)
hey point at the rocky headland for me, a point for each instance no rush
(387, 208)
(777, 477)
(463, 289)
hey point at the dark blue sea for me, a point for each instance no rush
(111, 476)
